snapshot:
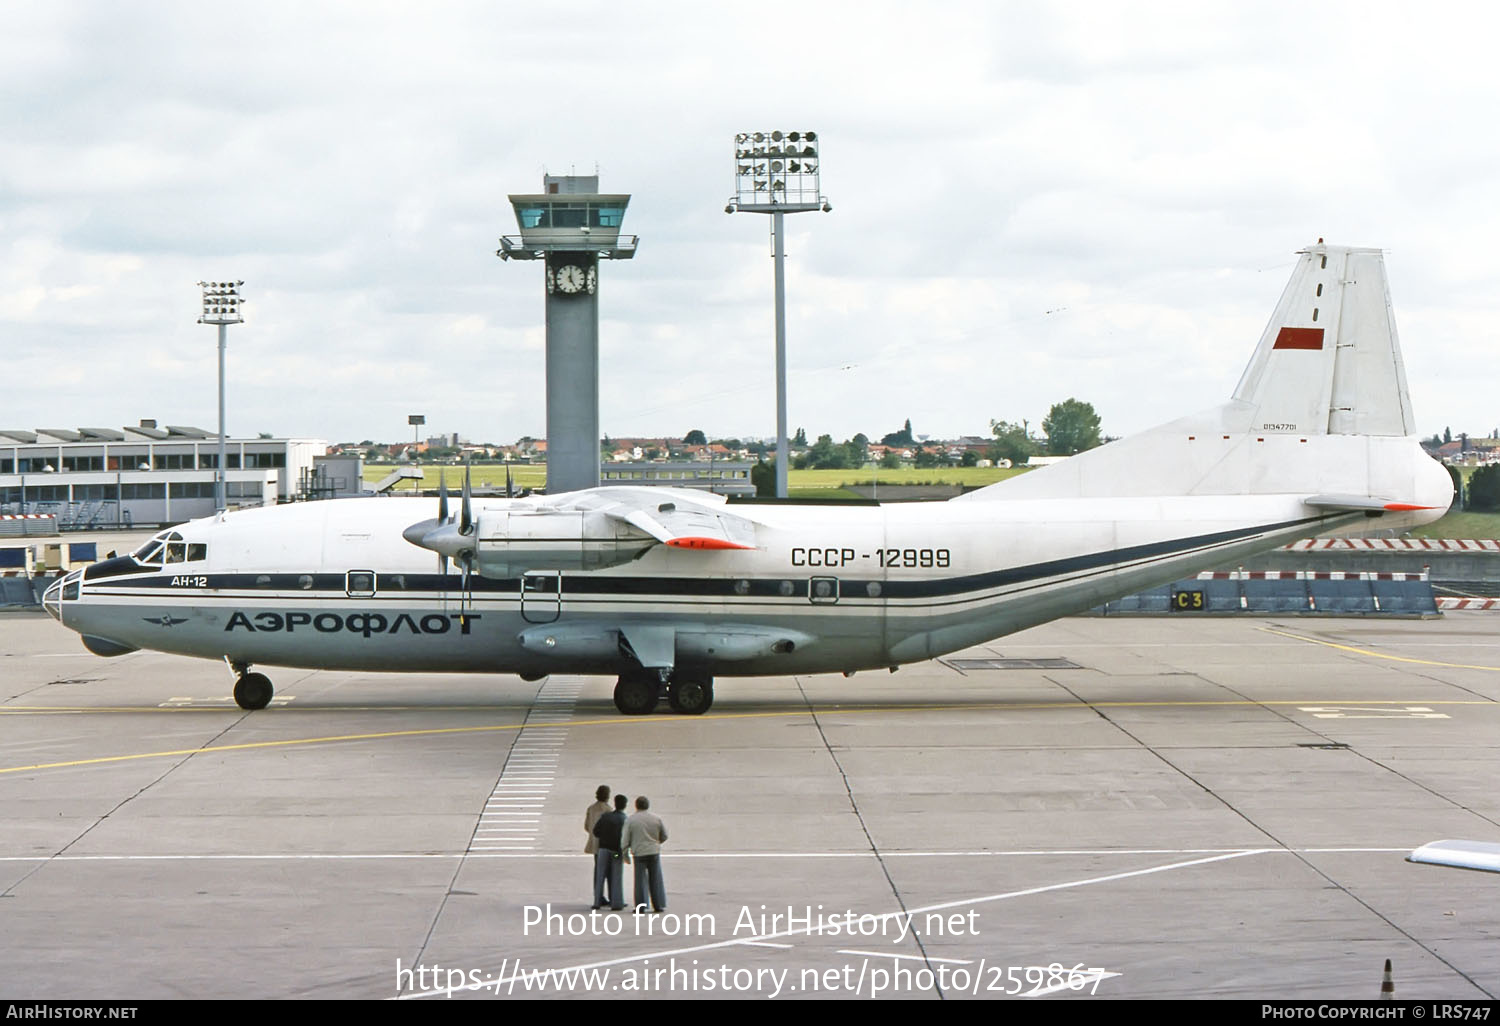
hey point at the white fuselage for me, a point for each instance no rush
(845, 587)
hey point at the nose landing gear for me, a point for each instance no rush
(251, 690)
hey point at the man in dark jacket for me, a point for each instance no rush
(607, 864)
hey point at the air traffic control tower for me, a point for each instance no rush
(571, 227)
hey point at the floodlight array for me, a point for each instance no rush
(222, 302)
(776, 168)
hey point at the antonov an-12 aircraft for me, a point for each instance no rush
(670, 587)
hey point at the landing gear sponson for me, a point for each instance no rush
(251, 690)
(637, 692)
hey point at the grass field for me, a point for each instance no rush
(535, 476)
(1462, 525)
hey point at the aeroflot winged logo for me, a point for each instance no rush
(165, 621)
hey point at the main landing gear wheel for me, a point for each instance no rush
(253, 691)
(635, 695)
(692, 696)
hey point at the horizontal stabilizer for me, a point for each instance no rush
(1361, 504)
(1481, 855)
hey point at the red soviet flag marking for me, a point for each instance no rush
(1299, 338)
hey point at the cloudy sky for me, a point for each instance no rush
(1032, 201)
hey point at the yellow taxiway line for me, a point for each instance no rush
(617, 721)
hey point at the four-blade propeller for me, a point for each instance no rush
(446, 538)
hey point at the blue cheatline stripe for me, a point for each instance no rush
(586, 586)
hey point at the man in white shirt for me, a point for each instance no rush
(641, 842)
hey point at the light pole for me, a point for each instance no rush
(777, 173)
(221, 306)
(416, 420)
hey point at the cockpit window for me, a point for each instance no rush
(152, 552)
(168, 547)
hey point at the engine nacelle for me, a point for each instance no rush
(508, 544)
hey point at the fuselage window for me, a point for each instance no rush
(197, 553)
(176, 552)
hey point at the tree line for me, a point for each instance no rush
(1070, 427)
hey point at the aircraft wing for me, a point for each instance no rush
(677, 519)
(1481, 855)
(1360, 504)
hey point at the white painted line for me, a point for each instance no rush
(909, 913)
(1076, 982)
(914, 958)
(577, 856)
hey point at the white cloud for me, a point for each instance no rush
(1144, 172)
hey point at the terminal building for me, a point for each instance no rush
(149, 475)
(721, 477)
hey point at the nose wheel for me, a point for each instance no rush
(253, 691)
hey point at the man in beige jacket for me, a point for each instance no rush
(591, 816)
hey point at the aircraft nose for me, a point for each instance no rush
(52, 599)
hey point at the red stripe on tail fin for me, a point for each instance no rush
(1299, 338)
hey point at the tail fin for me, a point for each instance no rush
(1321, 413)
(1329, 362)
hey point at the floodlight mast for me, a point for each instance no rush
(221, 306)
(777, 173)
